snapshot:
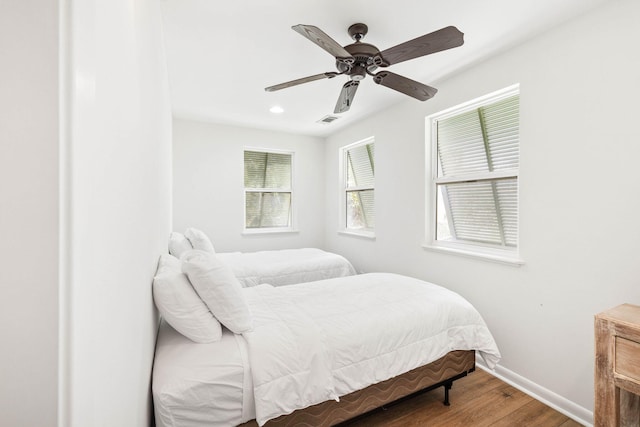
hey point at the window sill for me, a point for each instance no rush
(478, 253)
(362, 234)
(262, 231)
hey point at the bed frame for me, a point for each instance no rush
(442, 372)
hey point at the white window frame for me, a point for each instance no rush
(342, 214)
(293, 212)
(476, 250)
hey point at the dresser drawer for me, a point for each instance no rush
(627, 360)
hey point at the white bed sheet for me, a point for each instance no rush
(286, 267)
(197, 385)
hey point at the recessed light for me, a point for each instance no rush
(276, 109)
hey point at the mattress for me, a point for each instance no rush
(286, 267)
(310, 343)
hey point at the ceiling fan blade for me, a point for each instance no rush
(347, 94)
(320, 38)
(443, 39)
(404, 85)
(328, 75)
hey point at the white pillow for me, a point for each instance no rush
(180, 305)
(199, 240)
(178, 244)
(219, 289)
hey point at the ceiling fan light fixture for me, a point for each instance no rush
(276, 109)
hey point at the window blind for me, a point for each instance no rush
(477, 180)
(267, 181)
(360, 183)
(360, 172)
(267, 170)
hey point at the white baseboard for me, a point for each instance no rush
(546, 396)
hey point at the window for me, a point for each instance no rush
(475, 175)
(358, 188)
(268, 191)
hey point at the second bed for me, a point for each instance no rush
(286, 266)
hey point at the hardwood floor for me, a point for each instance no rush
(478, 400)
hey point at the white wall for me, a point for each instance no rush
(208, 182)
(117, 207)
(579, 204)
(28, 213)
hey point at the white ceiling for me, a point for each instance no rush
(221, 55)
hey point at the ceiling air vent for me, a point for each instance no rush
(328, 119)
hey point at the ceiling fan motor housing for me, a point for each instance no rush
(366, 59)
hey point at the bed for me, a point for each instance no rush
(286, 267)
(275, 267)
(320, 353)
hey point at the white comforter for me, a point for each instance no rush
(321, 340)
(286, 266)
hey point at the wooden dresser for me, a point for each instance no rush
(617, 367)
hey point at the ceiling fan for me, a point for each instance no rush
(359, 59)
